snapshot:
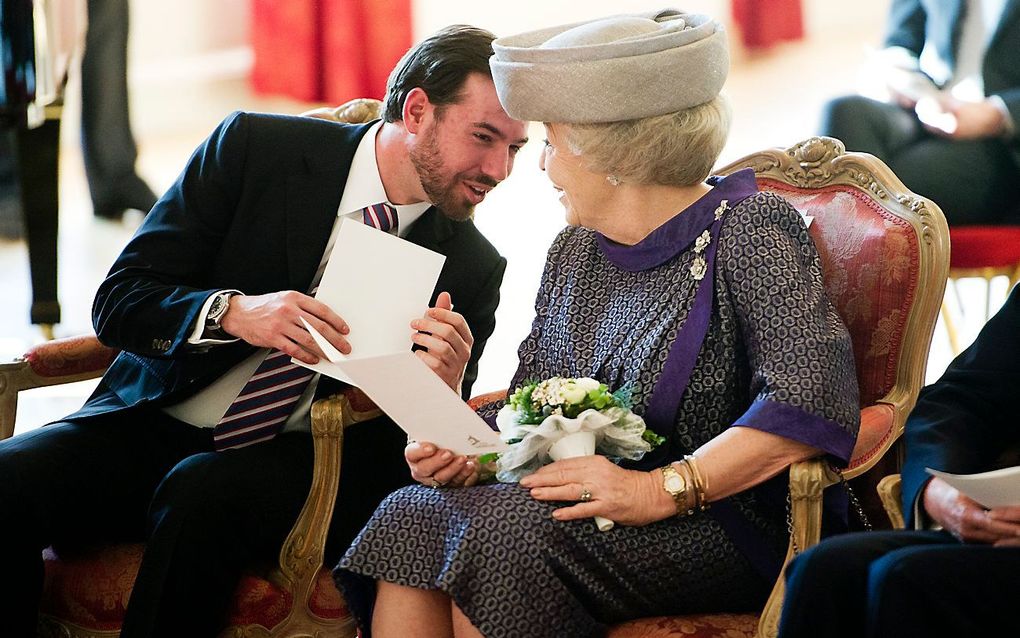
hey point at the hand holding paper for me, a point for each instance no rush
(964, 517)
(381, 286)
(447, 340)
(276, 320)
(431, 466)
(378, 283)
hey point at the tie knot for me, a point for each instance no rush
(381, 216)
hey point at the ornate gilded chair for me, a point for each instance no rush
(885, 254)
(85, 592)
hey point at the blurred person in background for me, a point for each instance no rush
(947, 120)
(107, 143)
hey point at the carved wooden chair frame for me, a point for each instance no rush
(821, 162)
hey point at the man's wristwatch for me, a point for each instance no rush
(676, 486)
(214, 318)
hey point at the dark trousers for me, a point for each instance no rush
(108, 147)
(972, 181)
(138, 475)
(902, 583)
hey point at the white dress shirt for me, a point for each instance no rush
(363, 188)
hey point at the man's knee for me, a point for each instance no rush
(188, 495)
(903, 570)
(840, 557)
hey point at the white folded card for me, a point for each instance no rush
(378, 284)
(411, 394)
(417, 400)
(998, 488)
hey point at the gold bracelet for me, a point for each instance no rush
(700, 485)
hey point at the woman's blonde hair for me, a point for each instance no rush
(676, 149)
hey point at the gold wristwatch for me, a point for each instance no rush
(676, 486)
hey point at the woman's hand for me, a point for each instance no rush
(433, 467)
(967, 520)
(627, 497)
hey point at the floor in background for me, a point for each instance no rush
(776, 96)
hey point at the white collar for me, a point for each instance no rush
(364, 185)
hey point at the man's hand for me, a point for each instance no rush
(273, 321)
(447, 340)
(907, 86)
(1008, 515)
(960, 120)
(967, 520)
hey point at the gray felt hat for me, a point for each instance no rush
(618, 68)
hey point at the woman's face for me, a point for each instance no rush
(581, 191)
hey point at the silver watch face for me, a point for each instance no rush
(674, 483)
(217, 309)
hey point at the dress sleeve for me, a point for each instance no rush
(803, 381)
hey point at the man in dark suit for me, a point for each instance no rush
(949, 124)
(962, 579)
(205, 302)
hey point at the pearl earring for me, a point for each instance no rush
(613, 180)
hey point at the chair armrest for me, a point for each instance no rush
(808, 479)
(303, 551)
(479, 401)
(51, 363)
(890, 490)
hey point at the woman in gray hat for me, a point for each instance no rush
(705, 297)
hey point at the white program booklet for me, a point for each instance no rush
(378, 283)
(411, 394)
(417, 400)
(998, 488)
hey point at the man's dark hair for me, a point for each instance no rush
(438, 65)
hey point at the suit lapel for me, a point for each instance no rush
(313, 196)
(431, 230)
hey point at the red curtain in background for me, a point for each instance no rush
(328, 50)
(763, 23)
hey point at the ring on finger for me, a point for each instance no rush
(436, 484)
(585, 495)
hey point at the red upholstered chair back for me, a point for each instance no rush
(885, 256)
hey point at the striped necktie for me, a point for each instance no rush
(266, 401)
(381, 216)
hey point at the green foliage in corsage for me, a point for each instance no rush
(536, 400)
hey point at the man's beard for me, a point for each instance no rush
(443, 193)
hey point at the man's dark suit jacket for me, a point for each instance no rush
(913, 22)
(969, 421)
(252, 211)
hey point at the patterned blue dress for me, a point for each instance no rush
(774, 356)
